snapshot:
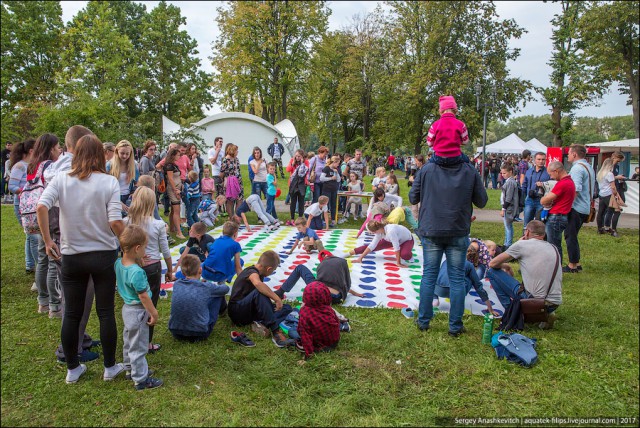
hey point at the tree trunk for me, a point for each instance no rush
(556, 130)
(633, 91)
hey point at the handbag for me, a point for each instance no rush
(312, 173)
(533, 309)
(592, 208)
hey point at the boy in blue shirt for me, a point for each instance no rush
(134, 289)
(193, 197)
(306, 237)
(223, 261)
(195, 305)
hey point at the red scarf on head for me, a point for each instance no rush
(318, 326)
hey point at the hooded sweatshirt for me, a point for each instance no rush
(318, 326)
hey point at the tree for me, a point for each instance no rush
(262, 52)
(609, 31)
(574, 83)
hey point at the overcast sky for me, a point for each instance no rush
(535, 45)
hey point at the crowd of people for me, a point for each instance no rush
(117, 240)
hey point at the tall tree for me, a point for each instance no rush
(609, 31)
(574, 83)
(262, 52)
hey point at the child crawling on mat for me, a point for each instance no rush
(306, 237)
(386, 235)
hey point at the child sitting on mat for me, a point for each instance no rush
(386, 235)
(318, 327)
(306, 237)
(198, 243)
(313, 213)
(223, 261)
(195, 305)
(210, 210)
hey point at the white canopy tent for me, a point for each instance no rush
(536, 146)
(511, 144)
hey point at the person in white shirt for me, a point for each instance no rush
(386, 235)
(215, 157)
(314, 211)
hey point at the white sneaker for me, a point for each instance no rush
(275, 225)
(74, 377)
(34, 287)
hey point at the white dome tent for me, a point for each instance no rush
(536, 146)
(244, 130)
(511, 144)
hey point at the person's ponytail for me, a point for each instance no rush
(20, 150)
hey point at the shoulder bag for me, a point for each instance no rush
(592, 208)
(533, 309)
(312, 172)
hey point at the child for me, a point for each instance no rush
(198, 243)
(253, 203)
(380, 206)
(319, 327)
(250, 301)
(447, 135)
(308, 195)
(480, 255)
(210, 210)
(272, 187)
(510, 202)
(134, 289)
(391, 187)
(195, 305)
(308, 236)
(353, 186)
(330, 178)
(207, 185)
(193, 197)
(148, 181)
(223, 260)
(379, 180)
(386, 235)
(314, 211)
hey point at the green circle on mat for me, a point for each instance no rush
(299, 299)
(243, 253)
(415, 276)
(330, 247)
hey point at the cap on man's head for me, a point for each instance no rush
(324, 254)
(447, 102)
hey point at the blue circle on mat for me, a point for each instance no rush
(368, 295)
(284, 256)
(163, 270)
(479, 301)
(369, 257)
(286, 247)
(266, 279)
(367, 287)
(366, 272)
(368, 262)
(366, 303)
(474, 294)
(368, 280)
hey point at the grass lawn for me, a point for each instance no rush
(385, 372)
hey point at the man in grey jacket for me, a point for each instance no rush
(445, 195)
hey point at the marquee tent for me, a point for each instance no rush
(536, 146)
(511, 144)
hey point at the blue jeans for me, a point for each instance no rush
(530, 208)
(299, 272)
(257, 307)
(192, 211)
(317, 192)
(316, 222)
(455, 249)
(508, 231)
(556, 224)
(31, 242)
(481, 270)
(258, 188)
(505, 286)
(271, 206)
(333, 196)
(494, 179)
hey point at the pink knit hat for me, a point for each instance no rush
(447, 102)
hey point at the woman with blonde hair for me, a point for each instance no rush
(123, 167)
(621, 187)
(141, 211)
(230, 173)
(607, 185)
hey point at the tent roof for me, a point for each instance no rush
(511, 144)
(536, 146)
(631, 146)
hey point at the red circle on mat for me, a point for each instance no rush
(393, 268)
(389, 253)
(396, 305)
(299, 262)
(393, 275)
(394, 281)
(304, 256)
(276, 287)
(395, 288)
(390, 259)
(390, 264)
(396, 296)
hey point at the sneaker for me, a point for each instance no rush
(114, 371)
(55, 314)
(83, 358)
(34, 287)
(242, 339)
(43, 309)
(155, 347)
(280, 340)
(127, 374)
(517, 219)
(567, 269)
(579, 268)
(422, 327)
(260, 329)
(275, 225)
(550, 322)
(613, 233)
(457, 333)
(407, 312)
(149, 383)
(345, 327)
(299, 347)
(71, 378)
(171, 241)
(95, 343)
(184, 226)
(290, 223)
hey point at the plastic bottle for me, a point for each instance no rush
(487, 329)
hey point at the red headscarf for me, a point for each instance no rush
(318, 326)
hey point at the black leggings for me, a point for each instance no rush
(603, 206)
(76, 270)
(296, 199)
(154, 277)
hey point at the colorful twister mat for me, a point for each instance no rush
(382, 282)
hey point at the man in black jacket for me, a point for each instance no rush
(276, 150)
(445, 195)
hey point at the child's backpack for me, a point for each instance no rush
(158, 176)
(205, 205)
(29, 198)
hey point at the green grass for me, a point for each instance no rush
(588, 365)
